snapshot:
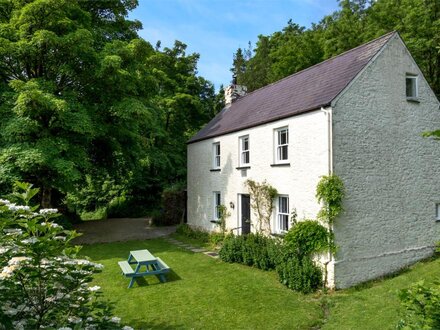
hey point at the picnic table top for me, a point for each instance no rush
(143, 256)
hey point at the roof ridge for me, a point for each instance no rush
(315, 65)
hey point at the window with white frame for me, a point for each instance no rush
(412, 86)
(282, 145)
(244, 151)
(216, 155)
(437, 211)
(217, 203)
(283, 213)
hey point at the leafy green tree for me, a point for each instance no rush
(83, 97)
(44, 283)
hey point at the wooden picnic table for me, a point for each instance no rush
(143, 259)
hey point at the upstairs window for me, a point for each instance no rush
(412, 87)
(216, 155)
(217, 203)
(283, 213)
(437, 211)
(282, 145)
(244, 151)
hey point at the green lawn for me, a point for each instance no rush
(204, 293)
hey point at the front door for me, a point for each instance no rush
(245, 214)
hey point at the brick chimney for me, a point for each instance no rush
(233, 92)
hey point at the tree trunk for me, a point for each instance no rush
(46, 197)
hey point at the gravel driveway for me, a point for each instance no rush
(115, 230)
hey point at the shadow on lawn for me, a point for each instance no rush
(121, 250)
(171, 276)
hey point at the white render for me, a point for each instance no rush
(390, 172)
(308, 157)
(371, 138)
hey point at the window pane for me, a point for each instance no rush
(284, 205)
(409, 87)
(283, 220)
(218, 149)
(246, 157)
(245, 144)
(217, 203)
(284, 155)
(282, 137)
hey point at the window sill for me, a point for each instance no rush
(280, 165)
(215, 221)
(413, 99)
(215, 170)
(243, 168)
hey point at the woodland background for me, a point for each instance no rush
(98, 118)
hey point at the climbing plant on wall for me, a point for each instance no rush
(262, 202)
(330, 191)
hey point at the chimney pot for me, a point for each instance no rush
(234, 92)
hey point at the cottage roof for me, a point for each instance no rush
(306, 90)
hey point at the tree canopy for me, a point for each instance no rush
(86, 103)
(357, 21)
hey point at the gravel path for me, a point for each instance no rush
(115, 230)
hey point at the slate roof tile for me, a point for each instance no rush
(306, 90)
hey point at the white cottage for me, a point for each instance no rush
(359, 115)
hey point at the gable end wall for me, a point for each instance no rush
(391, 173)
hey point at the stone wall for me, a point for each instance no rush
(391, 173)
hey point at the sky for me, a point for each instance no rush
(216, 28)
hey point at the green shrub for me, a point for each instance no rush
(299, 274)
(232, 249)
(421, 306)
(99, 214)
(307, 238)
(252, 250)
(196, 234)
(216, 239)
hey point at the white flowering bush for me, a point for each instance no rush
(43, 283)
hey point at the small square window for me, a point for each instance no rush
(437, 211)
(216, 155)
(411, 87)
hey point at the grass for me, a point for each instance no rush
(201, 293)
(375, 305)
(205, 293)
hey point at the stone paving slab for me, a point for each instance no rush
(190, 247)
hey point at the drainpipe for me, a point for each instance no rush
(328, 113)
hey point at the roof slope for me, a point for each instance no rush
(303, 91)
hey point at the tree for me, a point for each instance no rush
(84, 100)
(44, 283)
(47, 60)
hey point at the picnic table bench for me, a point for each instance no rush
(146, 264)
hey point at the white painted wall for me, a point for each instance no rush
(308, 158)
(391, 173)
